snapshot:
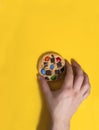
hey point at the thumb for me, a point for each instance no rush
(45, 88)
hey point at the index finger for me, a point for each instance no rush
(68, 81)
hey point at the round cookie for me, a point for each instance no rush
(51, 66)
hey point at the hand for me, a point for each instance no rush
(64, 102)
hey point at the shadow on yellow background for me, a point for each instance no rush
(29, 28)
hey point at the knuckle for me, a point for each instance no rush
(80, 77)
(86, 75)
(68, 88)
(69, 70)
(80, 71)
(75, 94)
(70, 75)
(86, 86)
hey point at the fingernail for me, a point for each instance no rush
(72, 60)
(66, 61)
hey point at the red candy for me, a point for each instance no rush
(47, 58)
(58, 59)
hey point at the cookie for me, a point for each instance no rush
(51, 66)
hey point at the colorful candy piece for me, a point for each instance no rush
(45, 64)
(52, 55)
(48, 72)
(47, 58)
(62, 69)
(53, 77)
(57, 72)
(52, 59)
(51, 66)
(43, 71)
(47, 78)
(58, 59)
(59, 64)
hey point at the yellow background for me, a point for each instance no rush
(31, 27)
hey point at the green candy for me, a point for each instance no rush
(53, 77)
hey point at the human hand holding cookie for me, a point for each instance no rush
(63, 103)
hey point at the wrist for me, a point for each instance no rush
(60, 125)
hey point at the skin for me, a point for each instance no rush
(63, 103)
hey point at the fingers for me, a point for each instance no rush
(86, 79)
(68, 81)
(81, 80)
(45, 88)
(86, 94)
(85, 89)
(79, 77)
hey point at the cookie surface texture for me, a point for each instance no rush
(51, 66)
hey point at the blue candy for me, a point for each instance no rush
(43, 71)
(51, 66)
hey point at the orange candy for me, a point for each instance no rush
(47, 58)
